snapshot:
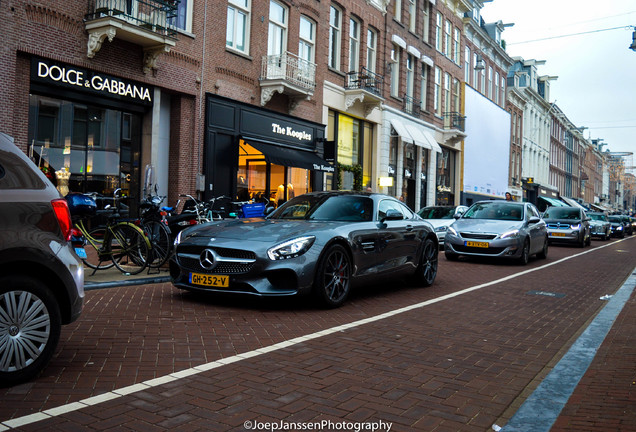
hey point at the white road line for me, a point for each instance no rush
(115, 394)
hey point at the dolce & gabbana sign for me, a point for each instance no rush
(85, 80)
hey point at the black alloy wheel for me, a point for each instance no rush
(427, 270)
(333, 276)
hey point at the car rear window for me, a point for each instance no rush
(16, 174)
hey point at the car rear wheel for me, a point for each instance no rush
(544, 252)
(525, 253)
(333, 276)
(427, 270)
(30, 325)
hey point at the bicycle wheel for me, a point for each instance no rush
(160, 243)
(129, 248)
(93, 258)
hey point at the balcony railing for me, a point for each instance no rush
(154, 15)
(291, 69)
(365, 80)
(454, 120)
(412, 106)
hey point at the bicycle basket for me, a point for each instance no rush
(253, 210)
(81, 205)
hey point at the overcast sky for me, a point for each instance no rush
(596, 87)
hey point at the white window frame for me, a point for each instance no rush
(413, 15)
(335, 32)
(277, 29)
(447, 38)
(237, 7)
(372, 49)
(354, 45)
(426, 21)
(467, 74)
(423, 86)
(475, 71)
(496, 92)
(456, 46)
(447, 93)
(438, 32)
(410, 75)
(307, 43)
(489, 84)
(395, 72)
(188, 4)
(397, 10)
(437, 101)
(502, 89)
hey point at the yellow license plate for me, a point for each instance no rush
(557, 234)
(210, 280)
(476, 244)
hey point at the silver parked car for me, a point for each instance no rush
(441, 217)
(568, 225)
(498, 229)
(600, 225)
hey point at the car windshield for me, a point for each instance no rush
(597, 216)
(562, 213)
(512, 212)
(437, 212)
(326, 208)
(615, 218)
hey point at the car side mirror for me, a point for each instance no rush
(458, 215)
(534, 220)
(392, 214)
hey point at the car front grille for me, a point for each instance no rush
(558, 225)
(477, 236)
(478, 250)
(228, 261)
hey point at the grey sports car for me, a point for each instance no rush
(498, 229)
(320, 243)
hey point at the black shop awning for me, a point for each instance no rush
(286, 156)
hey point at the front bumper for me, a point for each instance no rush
(564, 235)
(500, 248)
(249, 270)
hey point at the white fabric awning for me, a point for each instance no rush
(401, 131)
(431, 140)
(418, 138)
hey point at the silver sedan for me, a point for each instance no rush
(498, 229)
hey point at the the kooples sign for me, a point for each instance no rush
(290, 132)
(91, 81)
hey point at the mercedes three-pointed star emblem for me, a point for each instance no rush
(207, 259)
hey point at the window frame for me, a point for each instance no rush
(372, 49)
(309, 43)
(354, 44)
(281, 26)
(335, 34)
(247, 10)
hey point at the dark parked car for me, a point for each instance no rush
(617, 226)
(320, 243)
(568, 225)
(498, 229)
(41, 277)
(600, 225)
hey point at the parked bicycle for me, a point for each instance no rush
(119, 243)
(153, 220)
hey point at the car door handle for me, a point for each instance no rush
(409, 227)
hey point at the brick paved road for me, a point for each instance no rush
(463, 363)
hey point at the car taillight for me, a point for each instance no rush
(63, 215)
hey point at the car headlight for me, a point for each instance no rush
(291, 249)
(441, 228)
(510, 234)
(620, 228)
(575, 227)
(452, 231)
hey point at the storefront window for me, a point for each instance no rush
(83, 148)
(423, 178)
(393, 156)
(266, 182)
(445, 177)
(408, 179)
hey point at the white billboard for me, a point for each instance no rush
(487, 146)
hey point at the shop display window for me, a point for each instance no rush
(83, 148)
